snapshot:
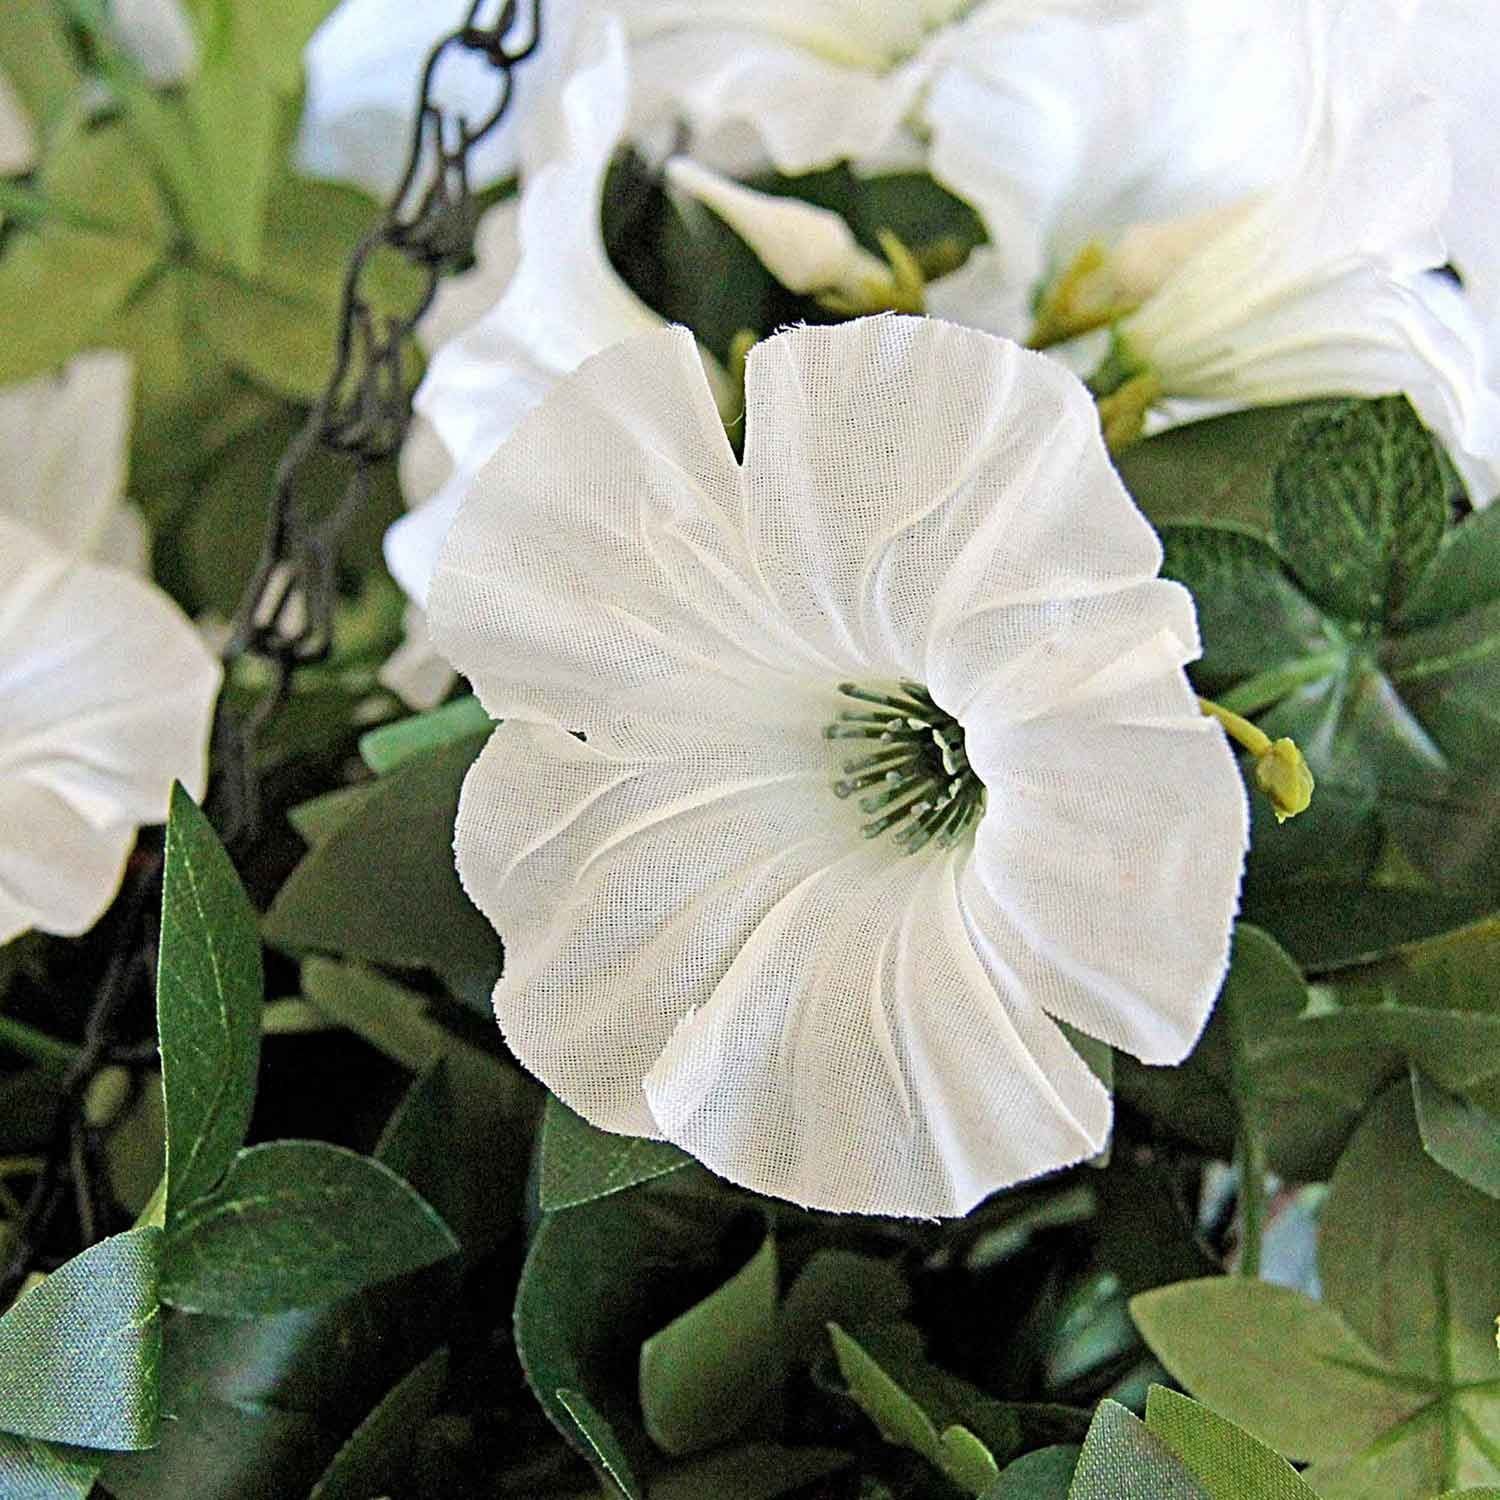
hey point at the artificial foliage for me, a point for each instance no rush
(282, 1214)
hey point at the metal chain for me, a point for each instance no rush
(286, 614)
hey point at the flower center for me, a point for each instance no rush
(915, 776)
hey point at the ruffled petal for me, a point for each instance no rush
(866, 1052)
(108, 693)
(623, 887)
(1107, 862)
(620, 591)
(66, 439)
(910, 478)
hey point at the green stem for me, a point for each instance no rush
(1261, 691)
(36, 1045)
(1253, 1168)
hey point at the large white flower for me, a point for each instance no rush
(807, 83)
(159, 35)
(106, 689)
(830, 778)
(364, 65)
(543, 297)
(1316, 283)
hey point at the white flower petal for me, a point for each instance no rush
(66, 441)
(640, 529)
(860, 1054)
(107, 694)
(159, 35)
(17, 137)
(564, 300)
(1109, 856)
(907, 474)
(806, 248)
(623, 887)
(364, 64)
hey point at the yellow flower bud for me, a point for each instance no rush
(1282, 774)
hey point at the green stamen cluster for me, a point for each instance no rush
(916, 777)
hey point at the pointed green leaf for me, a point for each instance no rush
(79, 1352)
(1300, 1378)
(955, 1452)
(373, 1460)
(31, 1470)
(208, 1005)
(386, 748)
(382, 886)
(1226, 1460)
(581, 1163)
(600, 1440)
(295, 1224)
(1235, 575)
(757, 1471)
(1042, 1474)
(1457, 1134)
(1410, 1256)
(707, 1374)
(1360, 506)
(1121, 1457)
(1465, 574)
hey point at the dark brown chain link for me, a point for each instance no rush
(286, 614)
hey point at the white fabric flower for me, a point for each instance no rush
(159, 35)
(17, 135)
(703, 942)
(808, 83)
(1315, 284)
(363, 67)
(66, 442)
(106, 689)
(106, 693)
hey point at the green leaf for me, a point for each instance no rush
(757, 1471)
(955, 1452)
(1236, 576)
(1300, 1379)
(580, 1163)
(79, 1352)
(1457, 1134)
(1410, 1257)
(599, 1279)
(37, 1471)
(37, 61)
(1225, 1459)
(1042, 1474)
(383, 888)
(294, 1224)
(231, 112)
(208, 1002)
(1464, 576)
(281, 339)
(392, 745)
(599, 1441)
(840, 1286)
(441, 1139)
(1215, 470)
(374, 1459)
(1121, 1457)
(1360, 506)
(80, 276)
(391, 1018)
(708, 1373)
(235, 1425)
